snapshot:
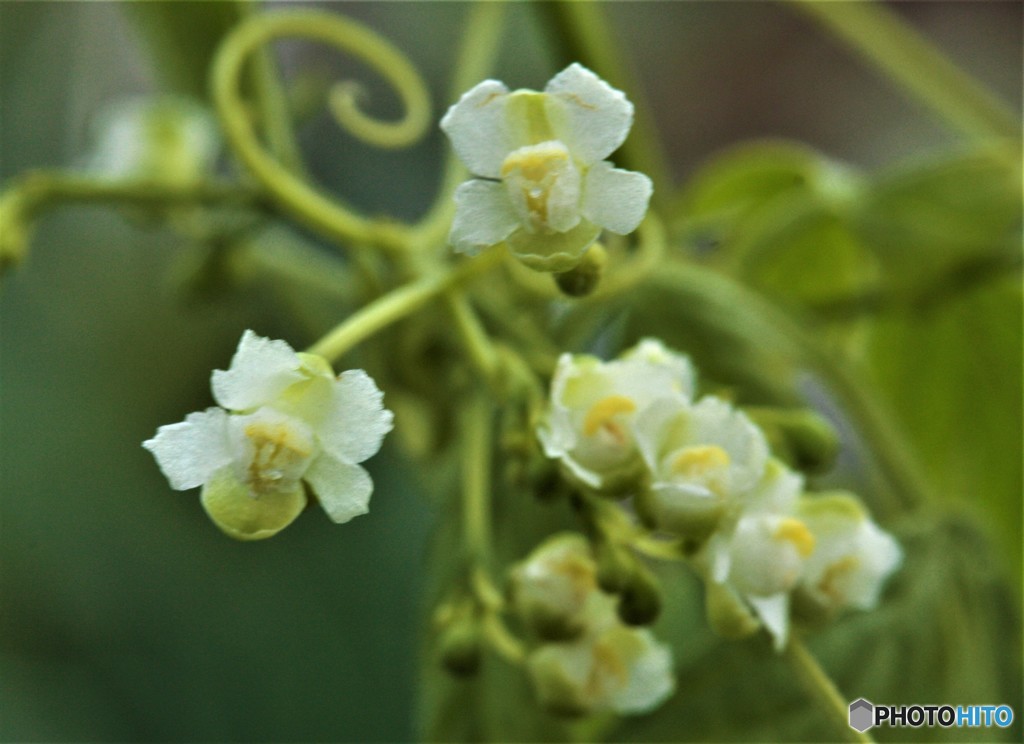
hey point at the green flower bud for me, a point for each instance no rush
(640, 600)
(615, 568)
(462, 646)
(586, 275)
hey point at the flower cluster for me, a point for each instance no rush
(700, 469)
(542, 183)
(284, 420)
(590, 660)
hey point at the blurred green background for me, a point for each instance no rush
(125, 614)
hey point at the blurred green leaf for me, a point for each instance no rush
(951, 374)
(927, 218)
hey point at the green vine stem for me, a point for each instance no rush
(296, 197)
(820, 688)
(397, 304)
(914, 63)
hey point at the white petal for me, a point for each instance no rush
(483, 216)
(774, 613)
(343, 490)
(587, 114)
(190, 451)
(260, 370)
(478, 128)
(616, 199)
(651, 680)
(358, 421)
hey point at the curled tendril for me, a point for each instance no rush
(298, 197)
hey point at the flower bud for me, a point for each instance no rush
(462, 646)
(640, 600)
(586, 275)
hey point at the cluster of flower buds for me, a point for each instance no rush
(588, 659)
(541, 182)
(701, 470)
(285, 421)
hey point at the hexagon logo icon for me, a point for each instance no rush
(862, 715)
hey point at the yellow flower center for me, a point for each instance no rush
(279, 452)
(695, 462)
(602, 416)
(533, 172)
(797, 533)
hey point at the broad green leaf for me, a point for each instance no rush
(927, 219)
(951, 372)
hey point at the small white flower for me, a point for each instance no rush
(589, 426)
(543, 184)
(854, 556)
(169, 139)
(701, 458)
(285, 419)
(611, 667)
(760, 554)
(551, 589)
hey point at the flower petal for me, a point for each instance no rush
(616, 199)
(587, 114)
(260, 370)
(241, 514)
(343, 490)
(650, 681)
(484, 216)
(478, 128)
(774, 613)
(358, 421)
(190, 451)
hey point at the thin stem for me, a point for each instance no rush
(476, 481)
(38, 190)
(479, 347)
(301, 200)
(820, 688)
(917, 65)
(396, 305)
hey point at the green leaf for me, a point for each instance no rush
(952, 375)
(928, 218)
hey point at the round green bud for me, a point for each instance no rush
(615, 567)
(583, 278)
(640, 600)
(462, 647)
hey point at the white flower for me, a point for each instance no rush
(285, 419)
(589, 426)
(701, 457)
(552, 588)
(853, 558)
(169, 139)
(611, 667)
(761, 553)
(543, 184)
